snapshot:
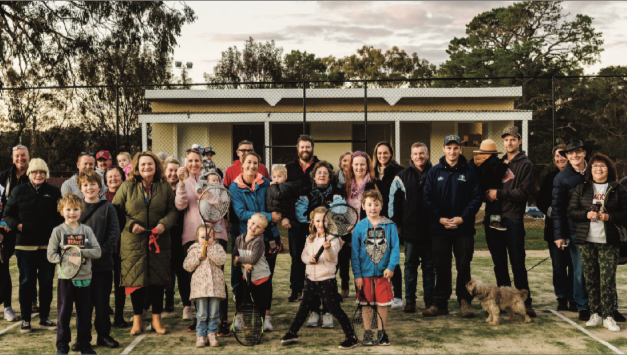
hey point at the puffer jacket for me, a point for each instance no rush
(141, 264)
(207, 277)
(327, 264)
(452, 192)
(563, 188)
(248, 201)
(36, 210)
(368, 260)
(279, 196)
(310, 200)
(614, 203)
(406, 208)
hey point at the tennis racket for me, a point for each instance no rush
(213, 205)
(367, 322)
(248, 329)
(339, 220)
(71, 262)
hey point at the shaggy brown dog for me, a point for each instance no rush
(496, 299)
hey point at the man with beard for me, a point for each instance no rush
(406, 209)
(86, 161)
(517, 185)
(299, 170)
(9, 179)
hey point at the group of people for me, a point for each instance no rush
(142, 232)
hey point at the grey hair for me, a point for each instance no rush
(420, 144)
(19, 146)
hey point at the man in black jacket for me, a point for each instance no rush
(298, 170)
(517, 185)
(412, 219)
(9, 180)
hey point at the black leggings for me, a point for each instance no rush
(327, 291)
(155, 293)
(344, 265)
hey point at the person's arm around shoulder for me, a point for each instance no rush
(94, 251)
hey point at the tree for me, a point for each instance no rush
(306, 66)
(524, 40)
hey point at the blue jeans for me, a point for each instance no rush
(34, 266)
(417, 253)
(579, 283)
(236, 271)
(562, 272)
(297, 236)
(208, 308)
(512, 242)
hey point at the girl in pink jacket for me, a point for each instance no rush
(207, 286)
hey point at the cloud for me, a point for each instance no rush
(334, 5)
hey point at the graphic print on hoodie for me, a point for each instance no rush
(376, 244)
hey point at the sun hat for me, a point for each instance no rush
(488, 146)
(572, 145)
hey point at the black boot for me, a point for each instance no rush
(562, 304)
(169, 304)
(295, 295)
(619, 317)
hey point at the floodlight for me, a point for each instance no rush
(178, 64)
(189, 65)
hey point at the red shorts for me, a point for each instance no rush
(378, 291)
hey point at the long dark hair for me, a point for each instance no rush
(612, 176)
(375, 161)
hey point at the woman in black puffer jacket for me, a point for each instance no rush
(597, 234)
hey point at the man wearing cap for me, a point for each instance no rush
(516, 189)
(564, 227)
(453, 197)
(103, 162)
(86, 161)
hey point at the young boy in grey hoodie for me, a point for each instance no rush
(76, 290)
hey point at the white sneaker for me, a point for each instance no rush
(595, 321)
(187, 313)
(314, 320)
(398, 303)
(9, 315)
(610, 324)
(239, 322)
(327, 321)
(267, 326)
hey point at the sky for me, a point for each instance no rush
(339, 28)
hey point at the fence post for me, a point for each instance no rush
(553, 100)
(304, 109)
(117, 119)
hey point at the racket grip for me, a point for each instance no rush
(319, 253)
(204, 249)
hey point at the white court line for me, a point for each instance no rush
(18, 322)
(146, 331)
(615, 349)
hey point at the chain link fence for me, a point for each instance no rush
(58, 123)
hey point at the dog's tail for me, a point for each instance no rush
(524, 294)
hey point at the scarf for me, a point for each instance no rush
(147, 191)
(356, 192)
(479, 159)
(319, 194)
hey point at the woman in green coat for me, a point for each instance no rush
(147, 201)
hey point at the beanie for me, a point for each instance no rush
(38, 164)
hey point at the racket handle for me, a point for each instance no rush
(204, 249)
(319, 253)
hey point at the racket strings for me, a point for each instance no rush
(70, 262)
(340, 219)
(214, 203)
(250, 330)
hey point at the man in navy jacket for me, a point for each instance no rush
(452, 196)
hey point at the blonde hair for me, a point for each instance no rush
(312, 227)
(280, 169)
(72, 200)
(187, 153)
(262, 218)
(127, 155)
(202, 227)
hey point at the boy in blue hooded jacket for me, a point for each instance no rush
(375, 255)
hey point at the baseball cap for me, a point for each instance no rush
(103, 154)
(452, 139)
(511, 130)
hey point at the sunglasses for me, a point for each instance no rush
(18, 147)
(87, 153)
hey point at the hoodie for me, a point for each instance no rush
(517, 186)
(105, 225)
(372, 255)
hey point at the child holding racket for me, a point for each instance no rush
(207, 286)
(320, 281)
(74, 273)
(375, 254)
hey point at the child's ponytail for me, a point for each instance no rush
(312, 225)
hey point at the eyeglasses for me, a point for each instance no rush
(322, 173)
(598, 166)
(38, 173)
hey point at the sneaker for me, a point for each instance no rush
(595, 321)
(295, 295)
(48, 324)
(62, 352)
(397, 303)
(187, 313)
(25, 327)
(497, 225)
(107, 341)
(192, 328)
(9, 315)
(348, 343)
(75, 348)
(384, 339)
(584, 315)
(267, 326)
(610, 324)
(314, 320)
(572, 307)
(466, 309)
(35, 308)
(213, 340)
(89, 350)
(223, 330)
(530, 312)
(200, 341)
(120, 323)
(618, 317)
(289, 338)
(562, 304)
(327, 321)
(410, 307)
(369, 338)
(434, 311)
(239, 322)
